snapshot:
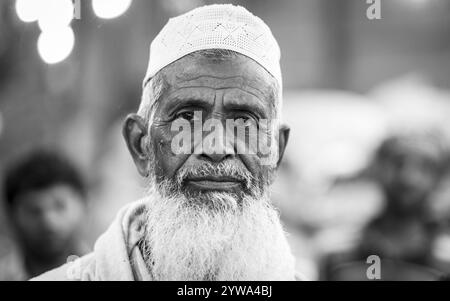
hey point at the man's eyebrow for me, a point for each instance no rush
(258, 109)
(176, 101)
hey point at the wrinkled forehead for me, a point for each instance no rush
(237, 71)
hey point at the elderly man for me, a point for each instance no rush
(207, 214)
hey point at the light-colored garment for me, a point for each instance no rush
(116, 255)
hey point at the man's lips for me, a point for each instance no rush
(214, 183)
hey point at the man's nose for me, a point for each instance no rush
(215, 157)
(216, 149)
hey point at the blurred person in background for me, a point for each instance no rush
(46, 205)
(408, 169)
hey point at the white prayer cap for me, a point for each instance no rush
(217, 26)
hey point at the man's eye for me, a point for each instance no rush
(245, 119)
(188, 115)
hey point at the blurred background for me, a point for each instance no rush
(350, 83)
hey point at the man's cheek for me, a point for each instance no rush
(253, 164)
(168, 165)
(167, 162)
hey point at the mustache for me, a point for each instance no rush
(226, 169)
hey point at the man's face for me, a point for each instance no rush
(47, 220)
(209, 216)
(201, 89)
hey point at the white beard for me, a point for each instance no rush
(219, 238)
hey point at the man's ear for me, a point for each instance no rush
(283, 138)
(134, 131)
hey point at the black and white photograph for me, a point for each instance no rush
(248, 142)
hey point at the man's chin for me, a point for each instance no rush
(215, 200)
